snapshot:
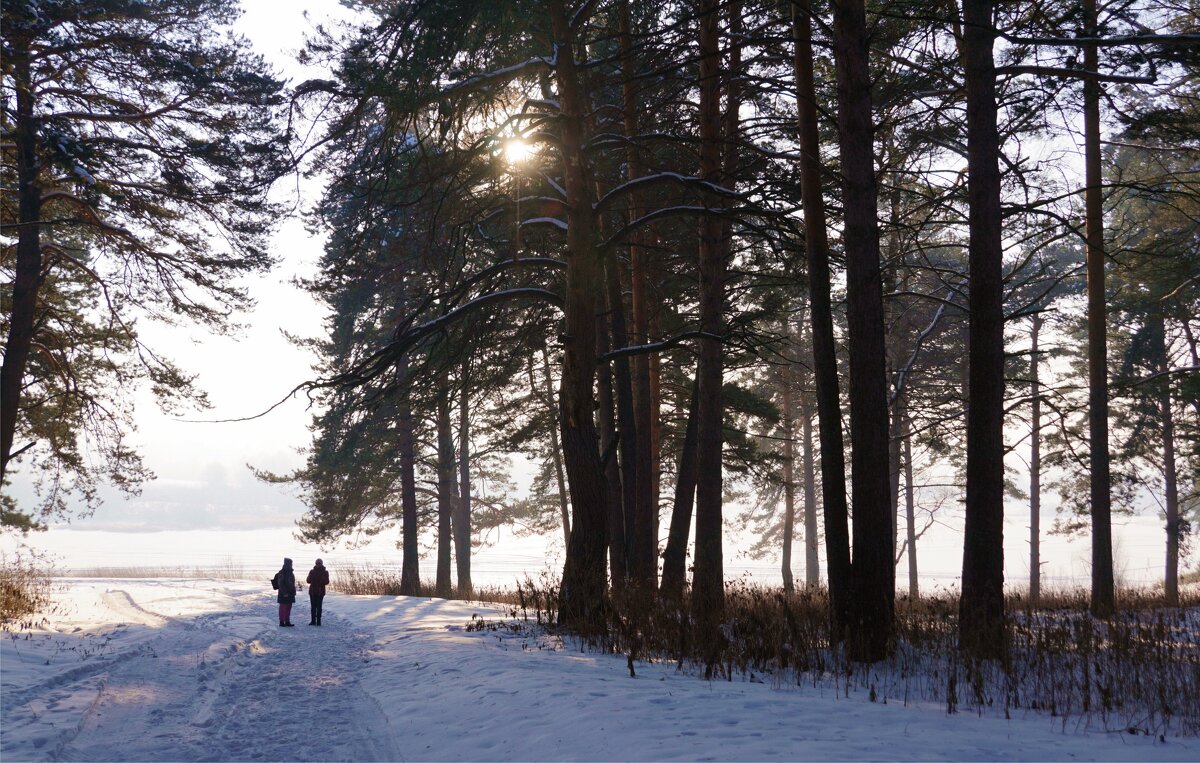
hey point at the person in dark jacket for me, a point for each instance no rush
(317, 579)
(285, 581)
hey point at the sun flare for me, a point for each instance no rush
(517, 151)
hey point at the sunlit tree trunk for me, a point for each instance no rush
(981, 606)
(655, 360)
(583, 591)
(1035, 465)
(787, 429)
(829, 416)
(27, 274)
(1103, 589)
(462, 513)
(445, 490)
(1174, 528)
(645, 504)
(874, 570)
(910, 511)
(618, 550)
(555, 451)
(812, 562)
(410, 573)
(674, 574)
(708, 586)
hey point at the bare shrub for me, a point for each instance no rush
(25, 590)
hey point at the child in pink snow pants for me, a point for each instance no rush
(285, 581)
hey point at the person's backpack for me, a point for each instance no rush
(275, 581)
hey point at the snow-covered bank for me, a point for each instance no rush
(198, 670)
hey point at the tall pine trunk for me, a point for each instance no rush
(582, 596)
(981, 607)
(708, 580)
(445, 490)
(410, 573)
(640, 548)
(1035, 465)
(462, 507)
(812, 562)
(28, 272)
(787, 429)
(618, 549)
(645, 505)
(674, 573)
(555, 451)
(829, 415)
(1103, 589)
(874, 571)
(1174, 525)
(910, 511)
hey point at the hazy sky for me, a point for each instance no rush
(202, 476)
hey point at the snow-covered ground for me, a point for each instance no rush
(198, 670)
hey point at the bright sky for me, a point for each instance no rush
(202, 476)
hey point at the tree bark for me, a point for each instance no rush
(1035, 465)
(444, 586)
(1103, 593)
(708, 587)
(981, 606)
(1174, 526)
(582, 596)
(874, 569)
(645, 506)
(410, 573)
(28, 276)
(462, 514)
(789, 481)
(812, 562)
(829, 416)
(555, 451)
(674, 573)
(895, 445)
(655, 361)
(618, 549)
(640, 543)
(910, 511)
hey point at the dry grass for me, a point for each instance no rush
(371, 580)
(229, 570)
(1137, 672)
(25, 591)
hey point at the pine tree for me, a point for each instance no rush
(140, 139)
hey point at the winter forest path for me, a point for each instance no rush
(199, 670)
(224, 685)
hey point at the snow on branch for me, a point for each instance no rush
(499, 76)
(658, 214)
(660, 178)
(1054, 71)
(462, 287)
(1106, 42)
(545, 221)
(581, 15)
(381, 360)
(902, 374)
(666, 344)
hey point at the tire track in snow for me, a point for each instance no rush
(293, 694)
(228, 685)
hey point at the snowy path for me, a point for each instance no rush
(225, 685)
(199, 671)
